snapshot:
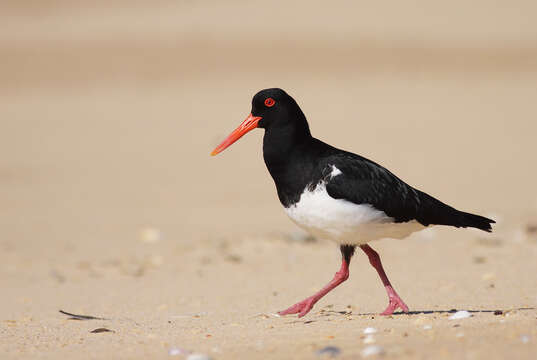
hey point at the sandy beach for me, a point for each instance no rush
(111, 206)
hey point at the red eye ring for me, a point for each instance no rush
(269, 102)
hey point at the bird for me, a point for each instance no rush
(338, 195)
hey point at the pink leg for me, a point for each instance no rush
(395, 300)
(303, 307)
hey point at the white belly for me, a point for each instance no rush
(343, 221)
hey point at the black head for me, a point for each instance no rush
(276, 108)
(276, 112)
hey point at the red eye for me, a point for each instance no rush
(269, 102)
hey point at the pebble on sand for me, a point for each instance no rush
(462, 314)
(372, 350)
(330, 351)
(370, 330)
(101, 330)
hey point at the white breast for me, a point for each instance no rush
(343, 221)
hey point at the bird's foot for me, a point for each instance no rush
(395, 302)
(302, 308)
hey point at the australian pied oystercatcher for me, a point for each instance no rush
(337, 195)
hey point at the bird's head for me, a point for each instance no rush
(271, 109)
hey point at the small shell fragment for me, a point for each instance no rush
(462, 314)
(370, 330)
(197, 356)
(175, 351)
(369, 339)
(372, 350)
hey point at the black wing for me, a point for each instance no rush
(365, 182)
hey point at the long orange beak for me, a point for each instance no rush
(247, 125)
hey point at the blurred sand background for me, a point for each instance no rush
(111, 205)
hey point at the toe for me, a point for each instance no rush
(403, 307)
(292, 310)
(389, 310)
(306, 309)
(301, 308)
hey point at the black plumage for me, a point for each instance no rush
(313, 178)
(296, 160)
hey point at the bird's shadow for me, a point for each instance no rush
(325, 313)
(426, 312)
(494, 311)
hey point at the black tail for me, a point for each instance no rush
(475, 221)
(435, 212)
